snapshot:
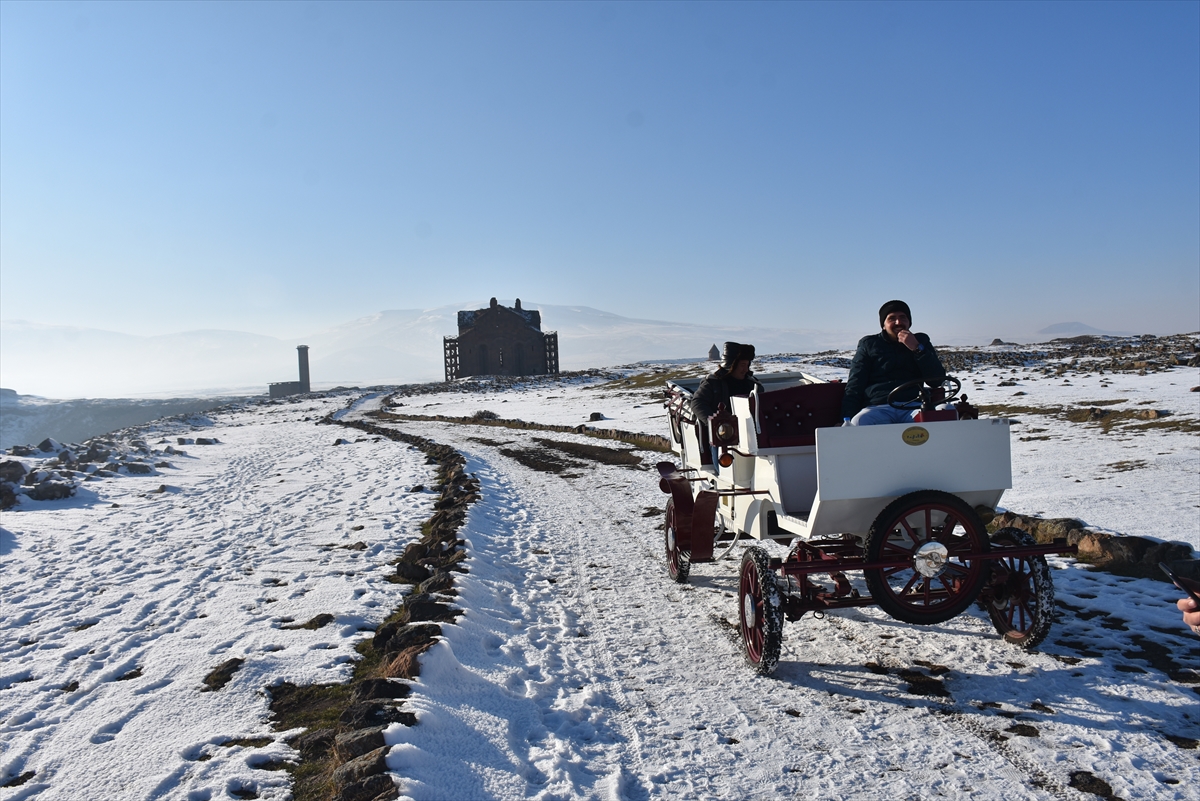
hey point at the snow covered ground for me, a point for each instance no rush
(578, 669)
(119, 601)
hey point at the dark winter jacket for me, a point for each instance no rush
(880, 365)
(717, 389)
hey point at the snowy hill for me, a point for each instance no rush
(1078, 329)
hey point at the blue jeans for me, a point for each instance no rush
(881, 415)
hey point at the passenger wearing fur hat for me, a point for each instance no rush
(883, 362)
(733, 377)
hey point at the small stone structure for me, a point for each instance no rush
(501, 341)
(282, 389)
(714, 355)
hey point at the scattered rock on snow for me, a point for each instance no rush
(373, 788)
(318, 622)
(411, 573)
(12, 471)
(51, 491)
(367, 714)
(394, 637)
(371, 689)
(353, 744)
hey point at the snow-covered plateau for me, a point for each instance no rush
(267, 532)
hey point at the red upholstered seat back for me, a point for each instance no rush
(790, 417)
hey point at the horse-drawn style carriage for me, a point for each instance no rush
(905, 504)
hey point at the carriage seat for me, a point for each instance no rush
(790, 417)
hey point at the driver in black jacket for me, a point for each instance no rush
(883, 362)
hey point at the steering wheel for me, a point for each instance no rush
(926, 394)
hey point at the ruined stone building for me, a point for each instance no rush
(501, 341)
(282, 389)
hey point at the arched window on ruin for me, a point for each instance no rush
(483, 360)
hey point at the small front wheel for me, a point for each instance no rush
(679, 562)
(1020, 600)
(760, 611)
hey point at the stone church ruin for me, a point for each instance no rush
(282, 389)
(501, 341)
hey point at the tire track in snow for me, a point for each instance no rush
(520, 636)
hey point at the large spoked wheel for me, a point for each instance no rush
(1021, 597)
(724, 539)
(760, 611)
(679, 562)
(934, 533)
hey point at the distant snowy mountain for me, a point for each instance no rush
(395, 346)
(1079, 329)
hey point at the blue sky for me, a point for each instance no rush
(281, 167)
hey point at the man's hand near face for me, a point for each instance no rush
(908, 339)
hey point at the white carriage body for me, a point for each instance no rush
(840, 483)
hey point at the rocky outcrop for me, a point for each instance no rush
(1114, 553)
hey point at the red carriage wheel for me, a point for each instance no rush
(934, 533)
(1021, 597)
(760, 611)
(679, 562)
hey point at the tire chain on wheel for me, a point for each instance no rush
(756, 570)
(679, 561)
(1043, 595)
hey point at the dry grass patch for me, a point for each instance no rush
(1126, 465)
(654, 379)
(595, 453)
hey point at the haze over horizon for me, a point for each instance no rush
(283, 169)
(395, 346)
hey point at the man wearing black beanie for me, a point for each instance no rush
(733, 377)
(883, 362)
